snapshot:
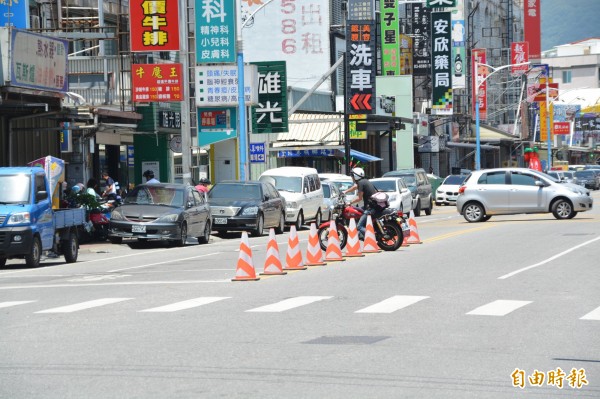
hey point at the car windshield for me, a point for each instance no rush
(14, 189)
(155, 195)
(342, 184)
(455, 179)
(284, 183)
(226, 190)
(410, 180)
(385, 185)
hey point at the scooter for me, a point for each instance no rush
(100, 218)
(389, 225)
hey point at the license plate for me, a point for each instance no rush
(220, 220)
(138, 229)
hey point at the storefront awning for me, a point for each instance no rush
(361, 156)
(470, 145)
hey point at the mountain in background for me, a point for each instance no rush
(566, 21)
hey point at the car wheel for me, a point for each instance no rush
(562, 209)
(33, 258)
(300, 221)
(260, 226)
(281, 227)
(206, 236)
(428, 210)
(418, 208)
(318, 218)
(473, 212)
(180, 242)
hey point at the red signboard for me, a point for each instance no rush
(519, 53)
(156, 82)
(531, 22)
(154, 26)
(541, 89)
(562, 128)
(478, 55)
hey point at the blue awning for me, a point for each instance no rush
(361, 156)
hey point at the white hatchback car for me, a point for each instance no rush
(447, 192)
(398, 192)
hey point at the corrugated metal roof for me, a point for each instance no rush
(312, 129)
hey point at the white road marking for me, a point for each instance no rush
(392, 304)
(593, 315)
(190, 303)
(290, 303)
(13, 303)
(498, 308)
(21, 287)
(162, 263)
(548, 260)
(84, 305)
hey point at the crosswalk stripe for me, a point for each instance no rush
(191, 303)
(593, 315)
(13, 303)
(84, 305)
(498, 308)
(290, 303)
(392, 304)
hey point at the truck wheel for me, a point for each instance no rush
(71, 248)
(33, 258)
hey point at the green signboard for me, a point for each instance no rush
(390, 46)
(271, 113)
(441, 63)
(440, 3)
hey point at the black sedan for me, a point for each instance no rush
(246, 206)
(166, 212)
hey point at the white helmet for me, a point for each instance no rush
(358, 173)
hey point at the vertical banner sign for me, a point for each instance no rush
(544, 109)
(66, 140)
(532, 33)
(519, 53)
(270, 116)
(215, 31)
(459, 80)
(441, 73)
(478, 55)
(420, 17)
(406, 54)
(360, 67)
(154, 26)
(390, 57)
(156, 82)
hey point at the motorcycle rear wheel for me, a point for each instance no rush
(323, 234)
(392, 237)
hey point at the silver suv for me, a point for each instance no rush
(508, 191)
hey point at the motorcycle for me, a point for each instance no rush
(389, 225)
(100, 218)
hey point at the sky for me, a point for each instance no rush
(566, 21)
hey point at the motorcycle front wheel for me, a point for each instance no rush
(323, 234)
(392, 237)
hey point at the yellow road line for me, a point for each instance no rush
(457, 233)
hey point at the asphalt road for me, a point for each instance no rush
(474, 311)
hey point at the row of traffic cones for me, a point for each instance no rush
(293, 261)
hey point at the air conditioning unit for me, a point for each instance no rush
(34, 22)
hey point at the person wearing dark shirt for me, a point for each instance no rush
(365, 189)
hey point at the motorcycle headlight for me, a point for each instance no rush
(116, 215)
(172, 217)
(251, 210)
(19, 218)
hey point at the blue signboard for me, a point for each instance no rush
(14, 13)
(215, 31)
(130, 158)
(257, 153)
(216, 124)
(66, 144)
(305, 153)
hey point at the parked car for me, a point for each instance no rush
(165, 211)
(343, 182)
(398, 193)
(419, 186)
(331, 193)
(447, 192)
(301, 188)
(246, 206)
(507, 191)
(589, 178)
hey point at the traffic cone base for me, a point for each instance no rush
(314, 255)
(272, 261)
(370, 244)
(333, 253)
(245, 267)
(293, 257)
(352, 242)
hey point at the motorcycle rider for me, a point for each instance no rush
(365, 189)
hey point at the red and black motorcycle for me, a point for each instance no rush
(389, 225)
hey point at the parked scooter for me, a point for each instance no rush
(389, 225)
(100, 218)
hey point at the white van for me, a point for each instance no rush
(302, 191)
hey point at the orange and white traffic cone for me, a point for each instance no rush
(333, 253)
(414, 232)
(293, 257)
(314, 255)
(353, 243)
(370, 243)
(245, 268)
(272, 262)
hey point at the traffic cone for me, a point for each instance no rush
(272, 262)
(414, 233)
(293, 257)
(245, 268)
(333, 253)
(370, 244)
(314, 255)
(353, 243)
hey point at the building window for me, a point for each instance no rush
(566, 76)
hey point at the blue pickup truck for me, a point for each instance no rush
(28, 223)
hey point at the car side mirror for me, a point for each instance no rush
(540, 183)
(266, 198)
(404, 190)
(190, 204)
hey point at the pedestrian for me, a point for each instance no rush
(203, 185)
(110, 191)
(149, 175)
(365, 189)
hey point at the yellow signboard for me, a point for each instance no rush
(356, 134)
(543, 121)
